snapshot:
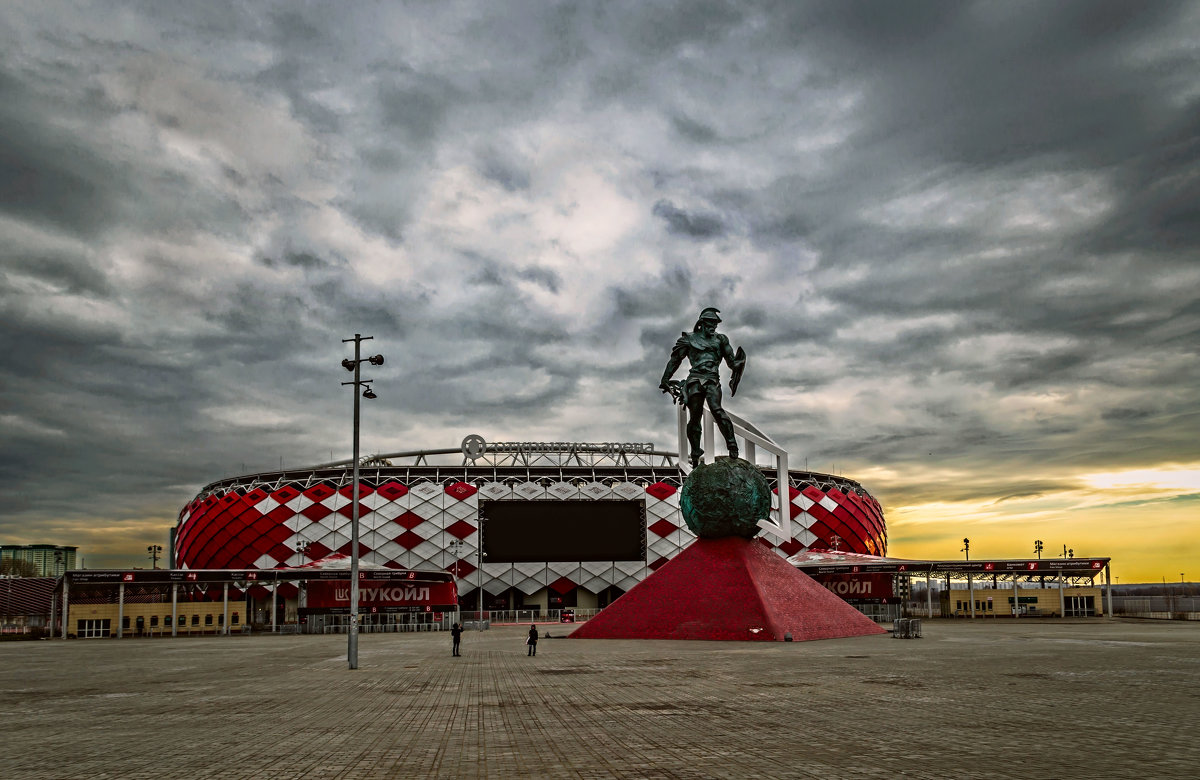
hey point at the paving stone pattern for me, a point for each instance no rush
(991, 699)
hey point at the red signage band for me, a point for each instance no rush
(382, 594)
(855, 587)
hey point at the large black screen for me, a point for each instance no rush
(524, 531)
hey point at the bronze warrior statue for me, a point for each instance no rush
(705, 349)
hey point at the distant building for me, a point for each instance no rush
(51, 560)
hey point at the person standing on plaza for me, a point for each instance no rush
(456, 635)
(532, 640)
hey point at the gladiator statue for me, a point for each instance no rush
(705, 349)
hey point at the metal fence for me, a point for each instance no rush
(518, 616)
(1161, 607)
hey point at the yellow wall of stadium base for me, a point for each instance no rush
(94, 621)
(1034, 602)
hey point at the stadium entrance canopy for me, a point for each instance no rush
(825, 562)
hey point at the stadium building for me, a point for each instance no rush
(521, 525)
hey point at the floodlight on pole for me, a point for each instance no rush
(353, 365)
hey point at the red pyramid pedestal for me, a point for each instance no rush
(729, 588)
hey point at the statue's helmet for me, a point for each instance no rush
(710, 314)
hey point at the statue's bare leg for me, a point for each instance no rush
(724, 424)
(695, 407)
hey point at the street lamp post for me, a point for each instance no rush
(353, 365)
(456, 546)
(967, 548)
(1037, 548)
(153, 551)
(479, 620)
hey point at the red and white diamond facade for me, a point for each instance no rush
(427, 517)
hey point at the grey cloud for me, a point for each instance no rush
(543, 277)
(691, 225)
(1125, 413)
(511, 174)
(47, 175)
(693, 130)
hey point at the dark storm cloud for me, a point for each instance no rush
(682, 223)
(950, 234)
(46, 174)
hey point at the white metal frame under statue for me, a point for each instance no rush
(780, 523)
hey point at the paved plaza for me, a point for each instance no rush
(990, 699)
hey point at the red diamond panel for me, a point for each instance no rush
(285, 494)
(765, 542)
(791, 547)
(316, 512)
(364, 490)
(256, 495)
(392, 490)
(348, 510)
(661, 490)
(362, 549)
(820, 512)
(409, 520)
(316, 551)
(657, 564)
(813, 492)
(408, 540)
(281, 514)
(562, 585)
(461, 569)
(280, 552)
(663, 527)
(461, 490)
(277, 534)
(461, 529)
(319, 491)
(792, 492)
(855, 508)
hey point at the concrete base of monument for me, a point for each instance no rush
(729, 588)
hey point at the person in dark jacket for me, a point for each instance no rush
(532, 640)
(456, 635)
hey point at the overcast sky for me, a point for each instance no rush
(959, 242)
